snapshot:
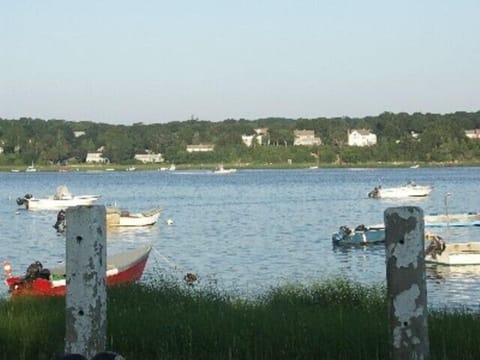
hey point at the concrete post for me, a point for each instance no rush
(86, 304)
(406, 284)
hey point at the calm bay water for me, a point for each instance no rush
(247, 232)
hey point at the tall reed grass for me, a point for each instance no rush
(337, 319)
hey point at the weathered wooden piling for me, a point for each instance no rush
(406, 284)
(86, 256)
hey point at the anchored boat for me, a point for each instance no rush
(122, 268)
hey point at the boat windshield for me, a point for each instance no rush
(62, 193)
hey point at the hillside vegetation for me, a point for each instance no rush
(438, 139)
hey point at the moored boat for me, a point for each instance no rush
(119, 218)
(116, 218)
(452, 254)
(361, 235)
(31, 168)
(124, 267)
(171, 168)
(61, 200)
(221, 170)
(410, 190)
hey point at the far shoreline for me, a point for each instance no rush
(239, 166)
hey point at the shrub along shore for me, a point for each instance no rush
(336, 319)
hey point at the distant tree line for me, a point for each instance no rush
(441, 138)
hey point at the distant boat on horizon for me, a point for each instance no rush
(221, 170)
(31, 168)
(171, 168)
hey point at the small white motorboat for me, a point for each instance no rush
(119, 218)
(221, 170)
(116, 218)
(31, 168)
(410, 190)
(61, 200)
(171, 168)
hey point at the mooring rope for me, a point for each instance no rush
(175, 266)
(189, 276)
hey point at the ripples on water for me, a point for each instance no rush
(249, 231)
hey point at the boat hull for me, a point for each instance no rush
(58, 204)
(402, 192)
(225, 171)
(457, 255)
(121, 269)
(358, 237)
(118, 219)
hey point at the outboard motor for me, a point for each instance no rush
(60, 224)
(373, 193)
(343, 232)
(21, 201)
(35, 271)
(436, 247)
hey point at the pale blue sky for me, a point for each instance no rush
(160, 61)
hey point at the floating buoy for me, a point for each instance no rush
(190, 278)
(7, 268)
(169, 222)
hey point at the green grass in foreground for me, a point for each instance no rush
(332, 320)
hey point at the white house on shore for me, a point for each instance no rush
(200, 148)
(361, 137)
(79, 133)
(149, 158)
(473, 134)
(306, 138)
(248, 139)
(260, 136)
(96, 158)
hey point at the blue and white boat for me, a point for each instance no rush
(361, 235)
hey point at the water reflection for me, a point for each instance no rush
(441, 272)
(347, 251)
(453, 286)
(247, 232)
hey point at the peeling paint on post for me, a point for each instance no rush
(86, 304)
(406, 284)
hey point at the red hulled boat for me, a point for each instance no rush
(122, 268)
